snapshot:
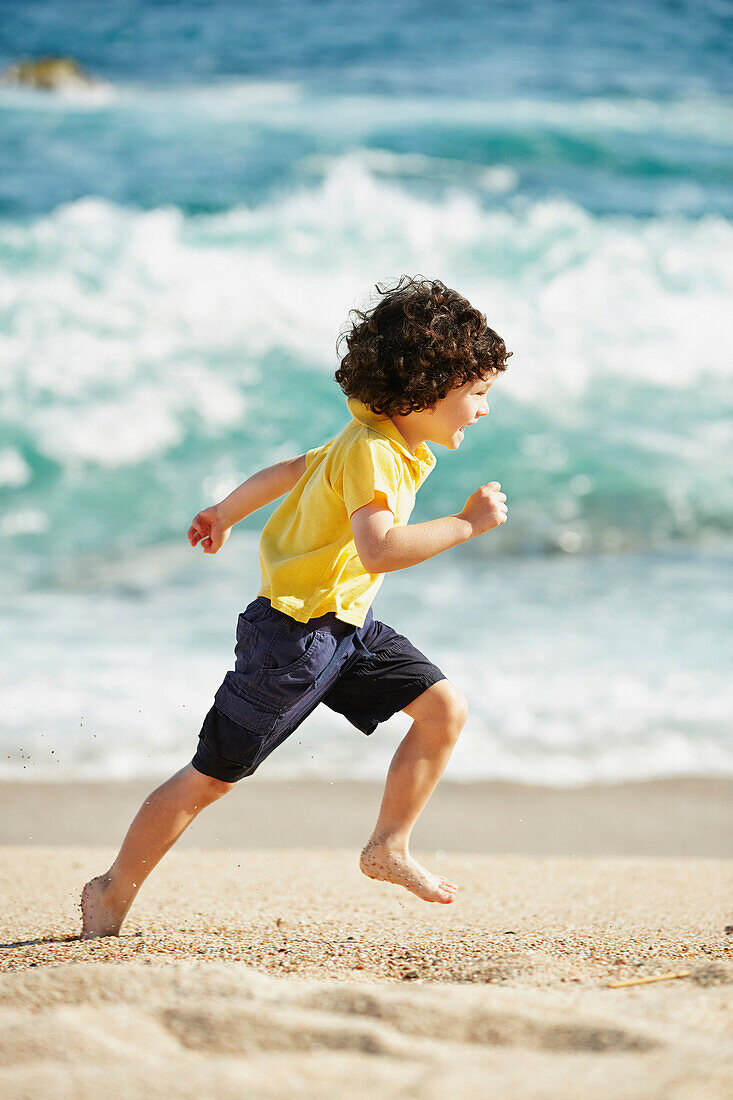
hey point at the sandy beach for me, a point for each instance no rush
(255, 965)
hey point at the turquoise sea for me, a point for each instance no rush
(179, 248)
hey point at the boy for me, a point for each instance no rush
(418, 367)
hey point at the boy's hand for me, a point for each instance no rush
(208, 529)
(486, 508)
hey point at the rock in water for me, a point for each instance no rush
(52, 73)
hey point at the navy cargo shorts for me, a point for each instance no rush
(285, 668)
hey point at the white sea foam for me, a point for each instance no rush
(29, 521)
(14, 470)
(130, 335)
(591, 672)
(383, 163)
(120, 316)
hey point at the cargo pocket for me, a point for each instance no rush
(243, 707)
(294, 665)
(237, 698)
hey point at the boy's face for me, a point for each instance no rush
(462, 407)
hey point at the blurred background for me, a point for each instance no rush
(181, 240)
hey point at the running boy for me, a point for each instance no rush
(418, 367)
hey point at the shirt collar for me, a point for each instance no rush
(422, 456)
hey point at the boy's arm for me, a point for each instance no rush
(211, 526)
(260, 489)
(382, 547)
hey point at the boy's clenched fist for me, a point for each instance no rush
(486, 508)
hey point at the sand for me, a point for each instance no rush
(281, 971)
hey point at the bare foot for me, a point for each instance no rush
(100, 916)
(381, 862)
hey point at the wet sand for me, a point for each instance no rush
(675, 817)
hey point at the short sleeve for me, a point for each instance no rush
(315, 452)
(370, 467)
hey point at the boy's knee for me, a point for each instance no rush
(442, 704)
(210, 789)
(218, 787)
(456, 707)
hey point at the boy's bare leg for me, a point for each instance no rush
(439, 716)
(158, 824)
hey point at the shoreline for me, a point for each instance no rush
(685, 818)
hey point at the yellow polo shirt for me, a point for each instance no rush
(308, 560)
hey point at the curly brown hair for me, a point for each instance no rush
(418, 342)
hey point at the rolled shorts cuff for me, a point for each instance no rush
(368, 723)
(209, 763)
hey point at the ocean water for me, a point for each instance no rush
(179, 249)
